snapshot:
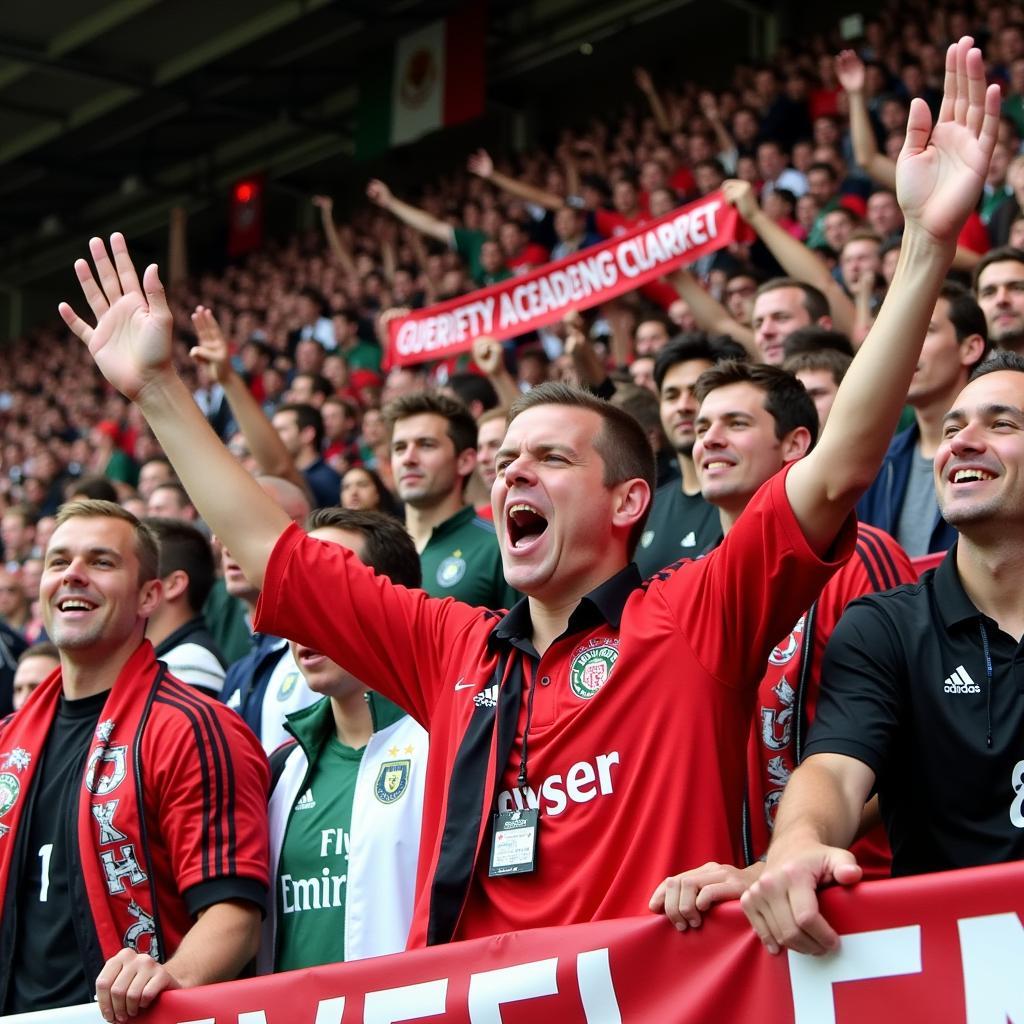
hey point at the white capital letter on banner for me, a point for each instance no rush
(410, 1002)
(489, 989)
(597, 991)
(992, 951)
(879, 954)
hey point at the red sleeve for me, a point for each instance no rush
(974, 236)
(733, 605)
(213, 782)
(394, 640)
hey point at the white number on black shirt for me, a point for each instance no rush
(44, 884)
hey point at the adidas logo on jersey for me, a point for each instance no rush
(487, 697)
(959, 681)
(306, 801)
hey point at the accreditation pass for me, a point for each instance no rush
(514, 842)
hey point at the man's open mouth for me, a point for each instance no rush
(524, 523)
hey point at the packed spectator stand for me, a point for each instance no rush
(804, 148)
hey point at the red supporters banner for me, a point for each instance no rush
(944, 947)
(584, 279)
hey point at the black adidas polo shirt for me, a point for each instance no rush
(929, 693)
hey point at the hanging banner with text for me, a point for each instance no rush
(584, 279)
(944, 947)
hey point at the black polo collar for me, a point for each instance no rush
(954, 604)
(605, 603)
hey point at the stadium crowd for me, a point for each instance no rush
(725, 399)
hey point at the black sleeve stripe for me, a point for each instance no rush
(205, 772)
(873, 539)
(864, 554)
(881, 539)
(226, 852)
(215, 795)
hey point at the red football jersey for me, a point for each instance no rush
(639, 723)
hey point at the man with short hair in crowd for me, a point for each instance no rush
(301, 429)
(603, 667)
(681, 523)
(176, 627)
(902, 500)
(821, 371)
(433, 454)
(169, 501)
(152, 473)
(347, 796)
(999, 288)
(130, 896)
(17, 533)
(34, 665)
(782, 305)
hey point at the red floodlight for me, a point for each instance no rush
(244, 191)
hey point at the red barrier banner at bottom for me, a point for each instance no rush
(945, 947)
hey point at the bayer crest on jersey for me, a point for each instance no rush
(591, 666)
(451, 570)
(10, 790)
(392, 781)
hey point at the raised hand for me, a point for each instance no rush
(480, 163)
(850, 71)
(377, 192)
(131, 342)
(942, 168)
(325, 203)
(212, 350)
(488, 355)
(741, 195)
(642, 77)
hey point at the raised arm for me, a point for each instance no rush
(325, 204)
(481, 164)
(645, 84)
(793, 256)
(939, 177)
(131, 344)
(727, 152)
(489, 356)
(177, 247)
(264, 442)
(850, 72)
(710, 314)
(377, 192)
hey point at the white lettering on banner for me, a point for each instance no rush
(579, 787)
(409, 1002)
(992, 951)
(460, 324)
(488, 990)
(597, 992)
(879, 954)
